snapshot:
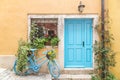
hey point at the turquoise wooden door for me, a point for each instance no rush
(78, 43)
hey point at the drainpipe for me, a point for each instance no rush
(103, 29)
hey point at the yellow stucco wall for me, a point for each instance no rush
(114, 12)
(14, 22)
(14, 13)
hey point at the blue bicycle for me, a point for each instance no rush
(34, 65)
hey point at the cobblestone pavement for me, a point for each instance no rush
(10, 75)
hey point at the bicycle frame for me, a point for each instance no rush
(34, 67)
(33, 63)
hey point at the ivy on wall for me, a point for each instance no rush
(104, 56)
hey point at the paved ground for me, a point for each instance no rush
(6, 74)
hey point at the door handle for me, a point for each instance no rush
(83, 43)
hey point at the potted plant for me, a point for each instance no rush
(54, 41)
(38, 43)
(51, 40)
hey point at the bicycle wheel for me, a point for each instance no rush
(28, 71)
(15, 68)
(54, 69)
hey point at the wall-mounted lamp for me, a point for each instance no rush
(81, 7)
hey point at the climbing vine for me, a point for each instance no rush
(104, 55)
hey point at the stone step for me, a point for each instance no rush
(74, 77)
(77, 72)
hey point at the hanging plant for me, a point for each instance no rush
(104, 56)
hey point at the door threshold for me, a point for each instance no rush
(78, 68)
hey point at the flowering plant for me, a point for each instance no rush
(51, 54)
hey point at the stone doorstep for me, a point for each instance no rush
(76, 72)
(74, 77)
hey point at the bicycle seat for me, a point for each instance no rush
(33, 50)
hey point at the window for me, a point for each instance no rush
(43, 27)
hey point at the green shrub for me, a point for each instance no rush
(23, 49)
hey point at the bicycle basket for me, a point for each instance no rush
(51, 54)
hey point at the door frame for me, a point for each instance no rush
(60, 28)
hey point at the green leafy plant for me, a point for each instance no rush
(54, 41)
(51, 40)
(33, 31)
(111, 77)
(104, 55)
(96, 77)
(36, 31)
(23, 49)
(38, 43)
